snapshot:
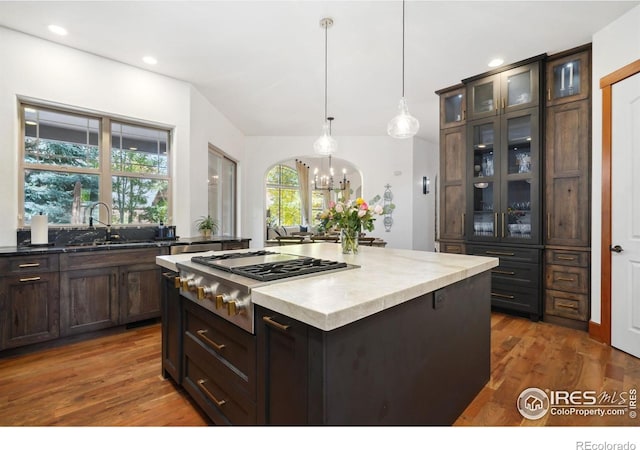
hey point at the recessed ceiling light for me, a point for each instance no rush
(57, 29)
(496, 62)
(150, 60)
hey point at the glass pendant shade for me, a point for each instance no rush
(325, 145)
(404, 125)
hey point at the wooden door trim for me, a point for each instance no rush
(602, 331)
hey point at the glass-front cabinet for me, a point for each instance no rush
(504, 183)
(511, 90)
(568, 79)
(453, 107)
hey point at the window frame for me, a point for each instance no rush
(104, 172)
(212, 150)
(279, 186)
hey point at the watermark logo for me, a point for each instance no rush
(533, 403)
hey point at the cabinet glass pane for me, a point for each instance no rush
(566, 79)
(483, 209)
(519, 145)
(483, 98)
(453, 108)
(483, 139)
(519, 209)
(519, 88)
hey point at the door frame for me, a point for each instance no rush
(602, 331)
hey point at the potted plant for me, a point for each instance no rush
(207, 225)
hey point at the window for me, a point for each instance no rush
(69, 163)
(222, 191)
(283, 196)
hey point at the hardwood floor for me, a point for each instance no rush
(115, 380)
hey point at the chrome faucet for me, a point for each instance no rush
(108, 225)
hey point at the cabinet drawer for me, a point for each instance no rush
(567, 257)
(564, 278)
(235, 245)
(223, 406)
(516, 298)
(107, 258)
(452, 247)
(29, 264)
(530, 255)
(566, 304)
(230, 348)
(516, 273)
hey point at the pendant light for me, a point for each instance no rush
(404, 125)
(325, 145)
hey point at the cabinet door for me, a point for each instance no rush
(567, 175)
(452, 182)
(28, 309)
(140, 292)
(89, 300)
(520, 88)
(483, 96)
(568, 78)
(520, 160)
(483, 169)
(282, 369)
(171, 328)
(453, 108)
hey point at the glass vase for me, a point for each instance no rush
(349, 240)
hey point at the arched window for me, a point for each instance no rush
(283, 196)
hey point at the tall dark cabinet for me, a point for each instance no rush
(515, 182)
(567, 188)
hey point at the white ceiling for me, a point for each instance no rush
(261, 63)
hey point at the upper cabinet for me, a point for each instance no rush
(453, 107)
(511, 90)
(568, 78)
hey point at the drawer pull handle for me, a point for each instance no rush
(565, 279)
(503, 272)
(567, 305)
(212, 397)
(25, 280)
(567, 258)
(510, 297)
(202, 334)
(491, 252)
(25, 265)
(269, 321)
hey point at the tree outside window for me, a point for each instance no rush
(283, 196)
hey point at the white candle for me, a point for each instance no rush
(570, 75)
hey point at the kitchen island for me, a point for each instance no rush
(399, 337)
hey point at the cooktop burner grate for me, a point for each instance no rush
(280, 270)
(207, 259)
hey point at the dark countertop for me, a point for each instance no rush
(88, 247)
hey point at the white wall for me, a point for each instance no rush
(426, 159)
(381, 160)
(615, 46)
(39, 69)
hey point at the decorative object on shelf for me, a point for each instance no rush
(325, 144)
(388, 208)
(207, 225)
(351, 218)
(404, 125)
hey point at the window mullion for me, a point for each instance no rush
(105, 169)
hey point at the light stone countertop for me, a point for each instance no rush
(385, 278)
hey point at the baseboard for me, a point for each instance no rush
(595, 331)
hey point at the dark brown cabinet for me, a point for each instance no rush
(391, 368)
(452, 169)
(219, 366)
(504, 91)
(171, 327)
(29, 300)
(102, 289)
(567, 189)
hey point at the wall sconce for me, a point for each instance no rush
(425, 185)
